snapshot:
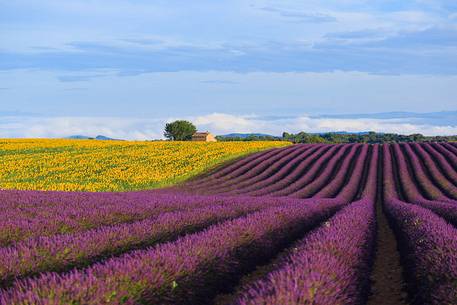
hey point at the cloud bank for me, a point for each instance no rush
(13, 126)
(411, 37)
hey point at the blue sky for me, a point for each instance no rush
(125, 67)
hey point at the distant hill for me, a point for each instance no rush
(104, 138)
(79, 137)
(99, 137)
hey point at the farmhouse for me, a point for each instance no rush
(203, 136)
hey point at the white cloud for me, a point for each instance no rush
(226, 123)
(218, 123)
(378, 125)
(57, 127)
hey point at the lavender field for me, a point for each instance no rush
(304, 224)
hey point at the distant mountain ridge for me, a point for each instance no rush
(99, 137)
(79, 137)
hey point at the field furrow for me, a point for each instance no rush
(452, 148)
(434, 171)
(423, 179)
(188, 271)
(61, 252)
(296, 173)
(260, 172)
(329, 159)
(275, 173)
(428, 246)
(327, 174)
(351, 169)
(330, 266)
(449, 156)
(249, 169)
(86, 215)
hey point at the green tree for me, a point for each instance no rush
(179, 130)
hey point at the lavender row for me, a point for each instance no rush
(60, 252)
(80, 216)
(304, 168)
(246, 168)
(443, 206)
(360, 187)
(330, 266)
(428, 245)
(451, 147)
(331, 157)
(445, 167)
(285, 181)
(446, 185)
(421, 176)
(84, 212)
(31, 204)
(187, 271)
(274, 173)
(370, 189)
(344, 173)
(429, 248)
(10, 199)
(326, 175)
(408, 185)
(392, 191)
(389, 185)
(259, 171)
(446, 210)
(227, 170)
(270, 176)
(449, 156)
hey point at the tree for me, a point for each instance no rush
(179, 130)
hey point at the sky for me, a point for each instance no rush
(123, 68)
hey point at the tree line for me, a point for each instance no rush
(368, 137)
(335, 137)
(183, 131)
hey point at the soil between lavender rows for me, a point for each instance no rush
(388, 286)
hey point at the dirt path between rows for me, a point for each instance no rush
(388, 286)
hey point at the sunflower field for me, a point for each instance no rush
(91, 165)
